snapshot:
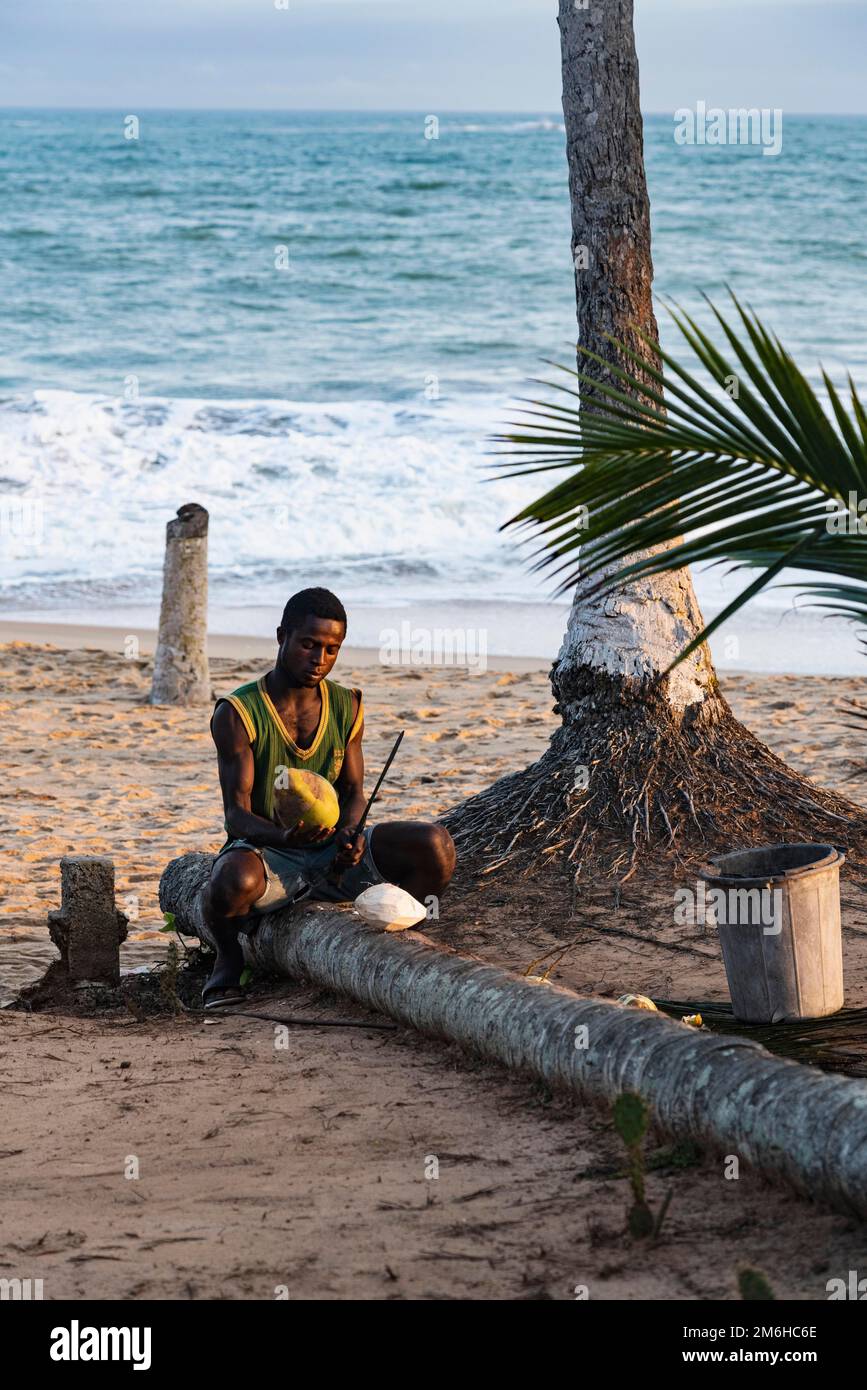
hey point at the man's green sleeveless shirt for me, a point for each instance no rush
(273, 748)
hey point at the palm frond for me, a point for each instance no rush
(662, 471)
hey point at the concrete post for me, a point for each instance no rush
(181, 673)
(88, 929)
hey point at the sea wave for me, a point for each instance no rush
(508, 127)
(386, 493)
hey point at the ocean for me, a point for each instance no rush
(312, 323)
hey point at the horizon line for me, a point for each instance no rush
(381, 111)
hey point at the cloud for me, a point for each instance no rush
(435, 55)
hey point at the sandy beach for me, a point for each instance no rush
(306, 1167)
(524, 384)
(100, 771)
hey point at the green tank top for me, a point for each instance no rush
(273, 748)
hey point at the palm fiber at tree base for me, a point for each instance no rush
(837, 1043)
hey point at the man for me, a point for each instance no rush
(294, 717)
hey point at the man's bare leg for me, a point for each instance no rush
(237, 882)
(418, 856)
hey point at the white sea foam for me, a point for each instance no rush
(386, 502)
(508, 127)
(392, 493)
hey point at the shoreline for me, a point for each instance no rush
(81, 636)
(245, 647)
(486, 634)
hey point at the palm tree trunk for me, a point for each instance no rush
(639, 762)
(790, 1122)
(634, 634)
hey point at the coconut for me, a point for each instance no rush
(387, 906)
(637, 1001)
(304, 796)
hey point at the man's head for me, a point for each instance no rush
(310, 634)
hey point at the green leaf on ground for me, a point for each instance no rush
(631, 1117)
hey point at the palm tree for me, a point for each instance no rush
(613, 280)
(756, 472)
(648, 755)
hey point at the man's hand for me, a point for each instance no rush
(304, 837)
(350, 847)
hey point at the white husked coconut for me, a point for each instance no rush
(637, 1001)
(387, 906)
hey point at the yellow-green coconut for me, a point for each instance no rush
(300, 795)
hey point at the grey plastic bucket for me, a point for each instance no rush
(779, 928)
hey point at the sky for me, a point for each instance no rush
(431, 55)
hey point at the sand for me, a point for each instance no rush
(91, 768)
(305, 1167)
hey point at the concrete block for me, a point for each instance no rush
(88, 928)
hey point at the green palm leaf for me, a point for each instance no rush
(750, 473)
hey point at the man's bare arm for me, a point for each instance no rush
(236, 769)
(350, 789)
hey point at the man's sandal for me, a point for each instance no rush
(223, 989)
(222, 997)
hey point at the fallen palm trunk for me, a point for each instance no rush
(784, 1120)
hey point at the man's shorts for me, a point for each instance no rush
(287, 871)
